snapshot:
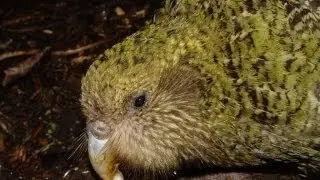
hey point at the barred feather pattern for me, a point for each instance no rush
(231, 83)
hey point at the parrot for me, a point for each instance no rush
(208, 83)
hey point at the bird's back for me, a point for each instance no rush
(261, 61)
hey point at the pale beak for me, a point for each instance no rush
(98, 157)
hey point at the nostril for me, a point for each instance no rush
(98, 129)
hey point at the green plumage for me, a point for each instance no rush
(258, 64)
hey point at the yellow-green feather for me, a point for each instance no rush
(263, 57)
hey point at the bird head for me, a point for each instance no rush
(141, 116)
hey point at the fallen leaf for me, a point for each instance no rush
(43, 141)
(140, 14)
(18, 155)
(37, 131)
(119, 11)
(5, 125)
(21, 69)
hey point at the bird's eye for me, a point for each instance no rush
(140, 101)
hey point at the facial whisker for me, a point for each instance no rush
(79, 145)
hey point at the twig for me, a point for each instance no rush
(18, 20)
(22, 68)
(17, 53)
(78, 50)
(23, 30)
(80, 59)
(6, 44)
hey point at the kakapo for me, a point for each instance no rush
(211, 83)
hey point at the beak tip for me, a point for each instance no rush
(118, 176)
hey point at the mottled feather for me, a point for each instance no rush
(230, 83)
